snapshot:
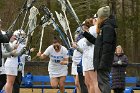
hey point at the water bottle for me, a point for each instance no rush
(28, 80)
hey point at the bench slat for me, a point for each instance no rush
(41, 79)
(69, 79)
(132, 80)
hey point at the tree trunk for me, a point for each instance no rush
(136, 30)
(123, 29)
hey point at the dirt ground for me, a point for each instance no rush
(45, 91)
(51, 91)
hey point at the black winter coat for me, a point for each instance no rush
(105, 45)
(4, 39)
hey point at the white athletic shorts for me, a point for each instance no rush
(2, 70)
(59, 74)
(74, 69)
(11, 71)
(87, 64)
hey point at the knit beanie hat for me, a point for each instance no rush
(103, 11)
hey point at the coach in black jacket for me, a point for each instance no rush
(105, 44)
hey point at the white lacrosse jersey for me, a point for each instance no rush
(92, 30)
(55, 58)
(13, 61)
(77, 56)
(87, 56)
(88, 51)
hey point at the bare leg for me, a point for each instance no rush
(62, 84)
(77, 84)
(54, 82)
(9, 83)
(89, 82)
(18, 80)
(94, 82)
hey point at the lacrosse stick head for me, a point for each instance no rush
(63, 5)
(44, 19)
(46, 11)
(78, 34)
(48, 16)
(29, 3)
(33, 12)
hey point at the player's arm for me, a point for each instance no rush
(41, 56)
(45, 54)
(66, 57)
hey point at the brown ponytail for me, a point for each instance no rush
(89, 22)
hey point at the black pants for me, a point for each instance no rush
(118, 90)
(104, 81)
(81, 79)
(16, 87)
(2, 81)
(82, 84)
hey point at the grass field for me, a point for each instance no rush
(51, 91)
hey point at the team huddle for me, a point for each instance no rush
(94, 47)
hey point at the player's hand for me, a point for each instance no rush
(32, 49)
(85, 28)
(39, 54)
(16, 46)
(74, 45)
(64, 62)
(14, 52)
